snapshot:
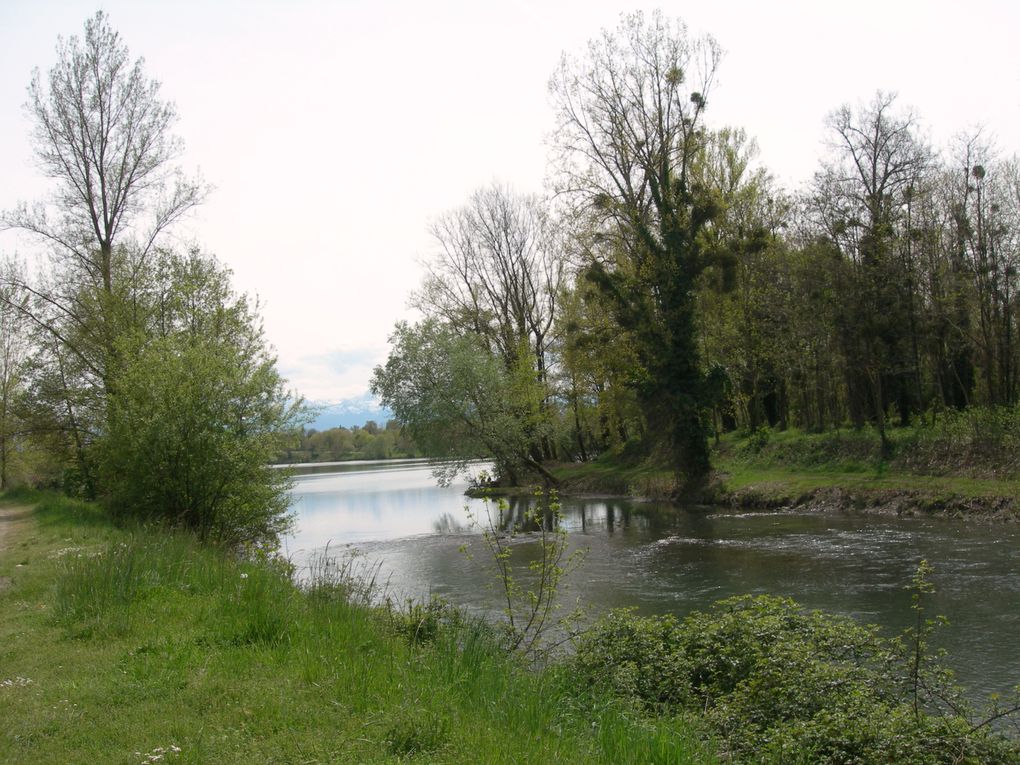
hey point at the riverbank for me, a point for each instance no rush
(842, 471)
(143, 645)
(122, 646)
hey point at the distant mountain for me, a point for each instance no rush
(352, 411)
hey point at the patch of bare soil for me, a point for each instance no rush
(11, 518)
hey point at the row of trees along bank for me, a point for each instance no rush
(672, 289)
(368, 442)
(131, 370)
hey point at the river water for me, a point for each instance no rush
(662, 558)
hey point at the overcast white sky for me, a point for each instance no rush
(333, 132)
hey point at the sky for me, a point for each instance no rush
(334, 132)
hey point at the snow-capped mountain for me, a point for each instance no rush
(348, 412)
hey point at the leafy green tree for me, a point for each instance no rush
(14, 358)
(744, 297)
(498, 273)
(460, 402)
(596, 372)
(103, 135)
(197, 415)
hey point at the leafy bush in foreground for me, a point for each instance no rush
(779, 684)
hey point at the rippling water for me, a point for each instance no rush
(662, 558)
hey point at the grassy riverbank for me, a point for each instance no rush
(959, 468)
(117, 646)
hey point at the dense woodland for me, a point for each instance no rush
(669, 289)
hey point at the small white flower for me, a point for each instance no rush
(17, 682)
(244, 575)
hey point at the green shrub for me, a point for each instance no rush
(420, 622)
(779, 684)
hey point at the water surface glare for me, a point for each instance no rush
(663, 558)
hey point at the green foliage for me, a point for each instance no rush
(196, 415)
(96, 589)
(982, 441)
(757, 440)
(779, 684)
(848, 449)
(417, 733)
(630, 139)
(420, 622)
(355, 443)
(979, 442)
(459, 401)
(257, 609)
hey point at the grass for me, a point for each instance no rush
(140, 645)
(957, 467)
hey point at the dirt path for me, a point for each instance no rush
(12, 519)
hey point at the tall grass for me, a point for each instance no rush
(980, 442)
(231, 660)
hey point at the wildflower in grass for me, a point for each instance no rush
(16, 682)
(158, 754)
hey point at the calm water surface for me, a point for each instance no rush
(662, 558)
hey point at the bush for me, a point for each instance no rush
(194, 423)
(779, 684)
(196, 413)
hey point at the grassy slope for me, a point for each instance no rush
(118, 645)
(794, 467)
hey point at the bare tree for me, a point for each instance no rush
(498, 272)
(988, 217)
(862, 198)
(102, 133)
(104, 136)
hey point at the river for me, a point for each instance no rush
(662, 558)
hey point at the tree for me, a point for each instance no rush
(103, 135)
(743, 297)
(198, 413)
(988, 217)
(14, 352)
(460, 402)
(861, 196)
(498, 273)
(628, 136)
